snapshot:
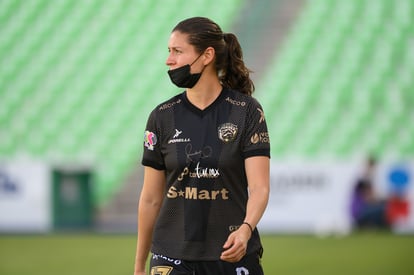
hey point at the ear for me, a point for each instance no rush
(209, 55)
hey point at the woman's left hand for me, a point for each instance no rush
(236, 245)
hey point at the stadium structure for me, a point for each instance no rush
(79, 78)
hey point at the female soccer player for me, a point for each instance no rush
(206, 158)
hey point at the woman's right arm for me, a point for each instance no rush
(148, 208)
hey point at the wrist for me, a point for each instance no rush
(249, 226)
(140, 265)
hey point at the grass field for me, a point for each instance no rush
(70, 254)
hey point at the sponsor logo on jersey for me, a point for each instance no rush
(200, 172)
(169, 105)
(177, 139)
(195, 193)
(177, 133)
(233, 228)
(236, 102)
(242, 271)
(260, 137)
(165, 258)
(227, 132)
(150, 139)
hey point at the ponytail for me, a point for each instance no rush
(229, 64)
(236, 75)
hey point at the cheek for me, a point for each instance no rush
(183, 60)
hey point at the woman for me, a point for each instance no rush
(206, 158)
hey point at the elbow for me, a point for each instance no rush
(262, 191)
(150, 203)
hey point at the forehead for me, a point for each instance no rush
(179, 40)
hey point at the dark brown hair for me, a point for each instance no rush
(203, 33)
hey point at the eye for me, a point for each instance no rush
(175, 51)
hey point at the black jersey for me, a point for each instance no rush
(203, 153)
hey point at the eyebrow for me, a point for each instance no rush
(175, 48)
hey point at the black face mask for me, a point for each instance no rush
(183, 78)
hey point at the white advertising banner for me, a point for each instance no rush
(315, 196)
(308, 197)
(25, 197)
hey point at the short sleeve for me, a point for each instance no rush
(152, 155)
(256, 136)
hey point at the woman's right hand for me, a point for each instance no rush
(139, 269)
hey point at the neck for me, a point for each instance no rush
(204, 93)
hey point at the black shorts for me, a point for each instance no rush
(163, 265)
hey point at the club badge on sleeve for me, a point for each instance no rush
(150, 139)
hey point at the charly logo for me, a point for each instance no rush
(150, 139)
(177, 139)
(177, 133)
(262, 116)
(227, 132)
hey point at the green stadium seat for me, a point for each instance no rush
(78, 80)
(351, 61)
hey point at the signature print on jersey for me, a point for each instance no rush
(193, 155)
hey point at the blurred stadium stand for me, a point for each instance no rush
(343, 82)
(261, 26)
(79, 78)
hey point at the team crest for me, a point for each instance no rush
(150, 139)
(227, 132)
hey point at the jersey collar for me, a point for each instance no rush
(200, 112)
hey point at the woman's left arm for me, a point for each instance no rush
(257, 172)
